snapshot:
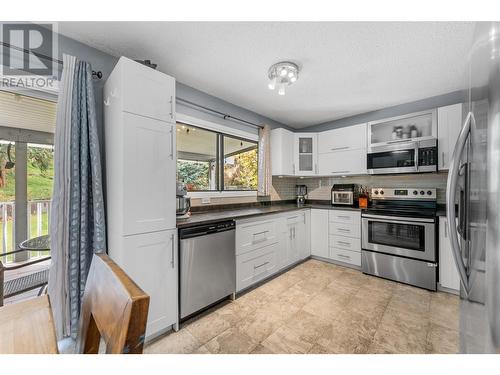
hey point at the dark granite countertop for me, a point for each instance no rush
(214, 215)
(441, 209)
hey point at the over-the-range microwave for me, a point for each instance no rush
(403, 156)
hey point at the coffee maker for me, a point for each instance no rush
(301, 194)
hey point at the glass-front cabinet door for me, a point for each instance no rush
(415, 126)
(305, 154)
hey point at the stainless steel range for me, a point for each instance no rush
(399, 236)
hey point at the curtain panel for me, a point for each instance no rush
(264, 162)
(77, 225)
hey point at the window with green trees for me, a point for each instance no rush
(213, 161)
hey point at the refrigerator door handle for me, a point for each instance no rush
(451, 188)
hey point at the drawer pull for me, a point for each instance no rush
(343, 230)
(293, 217)
(340, 148)
(344, 243)
(343, 217)
(340, 172)
(344, 256)
(260, 265)
(259, 240)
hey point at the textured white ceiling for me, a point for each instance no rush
(346, 67)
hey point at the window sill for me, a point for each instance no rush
(221, 194)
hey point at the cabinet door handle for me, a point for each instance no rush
(339, 148)
(172, 143)
(445, 229)
(442, 158)
(293, 166)
(172, 107)
(172, 238)
(293, 232)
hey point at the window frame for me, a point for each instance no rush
(221, 131)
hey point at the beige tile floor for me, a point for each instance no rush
(318, 307)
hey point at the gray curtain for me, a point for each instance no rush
(78, 227)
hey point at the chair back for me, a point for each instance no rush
(114, 308)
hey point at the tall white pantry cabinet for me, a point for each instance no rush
(139, 117)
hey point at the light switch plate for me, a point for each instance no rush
(205, 200)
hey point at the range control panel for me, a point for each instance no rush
(417, 193)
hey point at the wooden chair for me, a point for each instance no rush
(114, 308)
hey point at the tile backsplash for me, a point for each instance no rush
(320, 187)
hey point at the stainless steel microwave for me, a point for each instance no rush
(403, 156)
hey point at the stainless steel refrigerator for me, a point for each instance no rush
(473, 197)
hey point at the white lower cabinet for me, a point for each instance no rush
(268, 244)
(319, 233)
(305, 251)
(448, 274)
(336, 235)
(255, 266)
(346, 256)
(151, 261)
(345, 236)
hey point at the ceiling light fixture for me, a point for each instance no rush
(282, 74)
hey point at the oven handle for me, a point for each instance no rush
(395, 219)
(451, 190)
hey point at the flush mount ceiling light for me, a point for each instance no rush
(282, 74)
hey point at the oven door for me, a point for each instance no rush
(412, 238)
(394, 158)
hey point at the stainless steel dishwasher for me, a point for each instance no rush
(207, 260)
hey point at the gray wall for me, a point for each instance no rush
(398, 110)
(202, 98)
(105, 63)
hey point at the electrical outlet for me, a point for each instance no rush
(205, 200)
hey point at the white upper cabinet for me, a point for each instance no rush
(342, 163)
(342, 151)
(143, 91)
(149, 169)
(282, 160)
(342, 139)
(450, 120)
(140, 150)
(306, 154)
(413, 126)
